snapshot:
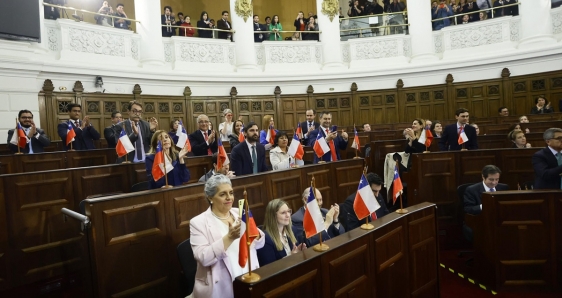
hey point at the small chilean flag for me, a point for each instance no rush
(246, 239)
(320, 146)
(462, 136)
(356, 144)
(299, 131)
(124, 145)
(426, 137)
(313, 222)
(70, 134)
(270, 135)
(365, 201)
(222, 158)
(182, 136)
(396, 185)
(241, 135)
(19, 138)
(296, 150)
(158, 165)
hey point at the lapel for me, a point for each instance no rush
(214, 233)
(551, 158)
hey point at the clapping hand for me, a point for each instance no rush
(211, 138)
(32, 130)
(234, 230)
(345, 137)
(297, 248)
(85, 122)
(153, 123)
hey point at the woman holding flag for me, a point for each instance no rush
(279, 156)
(162, 149)
(268, 133)
(216, 242)
(174, 129)
(237, 135)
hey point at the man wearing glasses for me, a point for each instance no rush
(203, 141)
(139, 131)
(36, 137)
(548, 161)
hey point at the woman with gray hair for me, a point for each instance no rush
(225, 128)
(215, 238)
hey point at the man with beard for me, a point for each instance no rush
(249, 157)
(139, 132)
(37, 139)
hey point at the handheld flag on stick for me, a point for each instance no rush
(356, 145)
(462, 137)
(248, 233)
(313, 223)
(299, 131)
(222, 158)
(396, 185)
(182, 137)
(124, 144)
(19, 138)
(241, 137)
(426, 137)
(320, 146)
(295, 149)
(158, 170)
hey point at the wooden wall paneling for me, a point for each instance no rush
(288, 186)
(99, 107)
(451, 102)
(392, 260)
(197, 167)
(210, 106)
(471, 166)
(183, 207)
(5, 276)
(164, 109)
(494, 98)
(115, 179)
(514, 172)
(507, 95)
(406, 103)
(292, 110)
(47, 111)
(258, 194)
(423, 254)
(346, 179)
(323, 181)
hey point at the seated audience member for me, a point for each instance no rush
(111, 133)
(515, 126)
(215, 240)
(139, 131)
(482, 16)
(442, 11)
(547, 162)
(278, 156)
(503, 111)
(335, 142)
(473, 193)
(428, 123)
(224, 24)
(225, 128)
(224, 170)
(188, 31)
(332, 226)
(276, 27)
(267, 123)
(311, 26)
(203, 141)
(412, 135)
(174, 125)
(449, 140)
(86, 134)
(518, 139)
(258, 37)
(471, 6)
(168, 20)
(279, 238)
(204, 22)
(465, 19)
(542, 106)
(523, 119)
(36, 137)
(347, 214)
(437, 129)
(366, 127)
(233, 138)
(121, 23)
(103, 20)
(179, 174)
(248, 157)
(476, 127)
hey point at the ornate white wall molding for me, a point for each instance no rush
(192, 52)
(556, 14)
(379, 50)
(477, 34)
(287, 54)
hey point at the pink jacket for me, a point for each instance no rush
(213, 277)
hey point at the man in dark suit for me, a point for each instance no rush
(332, 225)
(309, 125)
(168, 20)
(37, 139)
(548, 161)
(224, 24)
(111, 133)
(86, 134)
(248, 157)
(225, 170)
(258, 37)
(449, 139)
(139, 132)
(473, 193)
(335, 142)
(203, 141)
(347, 214)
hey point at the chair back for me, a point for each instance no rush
(460, 207)
(140, 186)
(188, 264)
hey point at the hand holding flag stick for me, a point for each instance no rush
(17, 132)
(246, 217)
(165, 155)
(320, 246)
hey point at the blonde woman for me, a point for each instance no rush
(225, 128)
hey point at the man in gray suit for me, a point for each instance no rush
(139, 131)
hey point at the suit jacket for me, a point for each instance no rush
(211, 279)
(259, 27)
(37, 143)
(111, 135)
(269, 253)
(450, 136)
(473, 197)
(241, 160)
(339, 144)
(297, 220)
(547, 170)
(347, 214)
(178, 176)
(84, 139)
(304, 127)
(146, 138)
(199, 146)
(206, 177)
(221, 24)
(165, 32)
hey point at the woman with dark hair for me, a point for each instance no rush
(311, 26)
(412, 135)
(518, 139)
(233, 138)
(188, 31)
(173, 130)
(275, 26)
(280, 240)
(278, 156)
(179, 174)
(204, 23)
(436, 129)
(542, 106)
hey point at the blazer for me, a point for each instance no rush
(544, 110)
(211, 279)
(259, 27)
(37, 143)
(297, 220)
(449, 138)
(165, 32)
(473, 197)
(348, 217)
(241, 160)
(222, 24)
(146, 138)
(269, 253)
(199, 146)
(547, 170)
(84, 139)
(339, 144)
(111, 135)
(304, 127)
(178, 176)
(204, 33)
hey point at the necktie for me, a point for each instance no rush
(492, 189)
(254, 160)
(332, 147)
(559, 159)
(209, 151)
(373, 216)
(138, 144)
(460, 129)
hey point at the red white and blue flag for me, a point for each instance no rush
(365, 201)
(19, 138)
(299, 131)
(356, 144)
(246, 239)
(124, 144)
(295, 149)
(222, 157)
(270, 135)
(320, 146)
(313, 223)
(182, 137)
(70, 133)
(158, 166)
(462, 136)
(241, 137)
(426, 137)
(396, 185)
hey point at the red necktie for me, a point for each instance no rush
(373, 216)
(332, 147)
(209, 152)
(460, 129)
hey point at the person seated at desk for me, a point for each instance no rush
(542, 106)
(111, 133)
(224, 170)
(268, 123)
(437, 129)
(249, 157)
(518, 139)
(490, 183)
(279, 238)
(347, 214)
(174, 124)
(547, 162)
(234, 137)
(180, 174)
(278, 156)
(203, 141)
(412, 135)
(37, 139)
(332, 225)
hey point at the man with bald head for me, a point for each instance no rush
(203, 141)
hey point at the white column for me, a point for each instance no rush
(329, 38)
(246, 59)
(536, 23)
(41, 47)
(419, 17)
(150, 32)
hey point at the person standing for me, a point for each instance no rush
(111, 133)
(204, 140)
(224, 24)
(335, 142)
(86, 134)
(248, 157)
(37, 139)
(547, 162)
(121, 23)
(310, 124)
(168, 20)
(139, 131)
(450, 139)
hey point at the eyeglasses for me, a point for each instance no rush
(287, 211)
(203, 122)
(558, 138)
(26, 118)
(136, 111)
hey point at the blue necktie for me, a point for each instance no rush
(254, 159)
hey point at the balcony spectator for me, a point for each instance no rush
(311, 26)
(482, 16)
(471, 6)
(266, 26)
(188, 31)
(181, 20)
(354, 9)
(258, 37)
(121, 23)
(465, 19)
(498, 12)
(485, 4)
(275, 26)
(296, 36)
(224, 24)
(168, 20)
(300, 22)
(442, 11)
(511, 10)
(204, 23)
(51, 13)
(396, 6)
(104, 20)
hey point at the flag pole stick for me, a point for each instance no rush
(248, 277)
(426, 150)
(320, 246)
(17, 134)
(401, 210)
(165, 170)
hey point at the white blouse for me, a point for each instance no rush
(224, 137)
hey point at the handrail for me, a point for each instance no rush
(199, 28)
(375, 15)
(369, 28)
(80, 217)
(90, 12)
(477, 11)
(287, 31)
